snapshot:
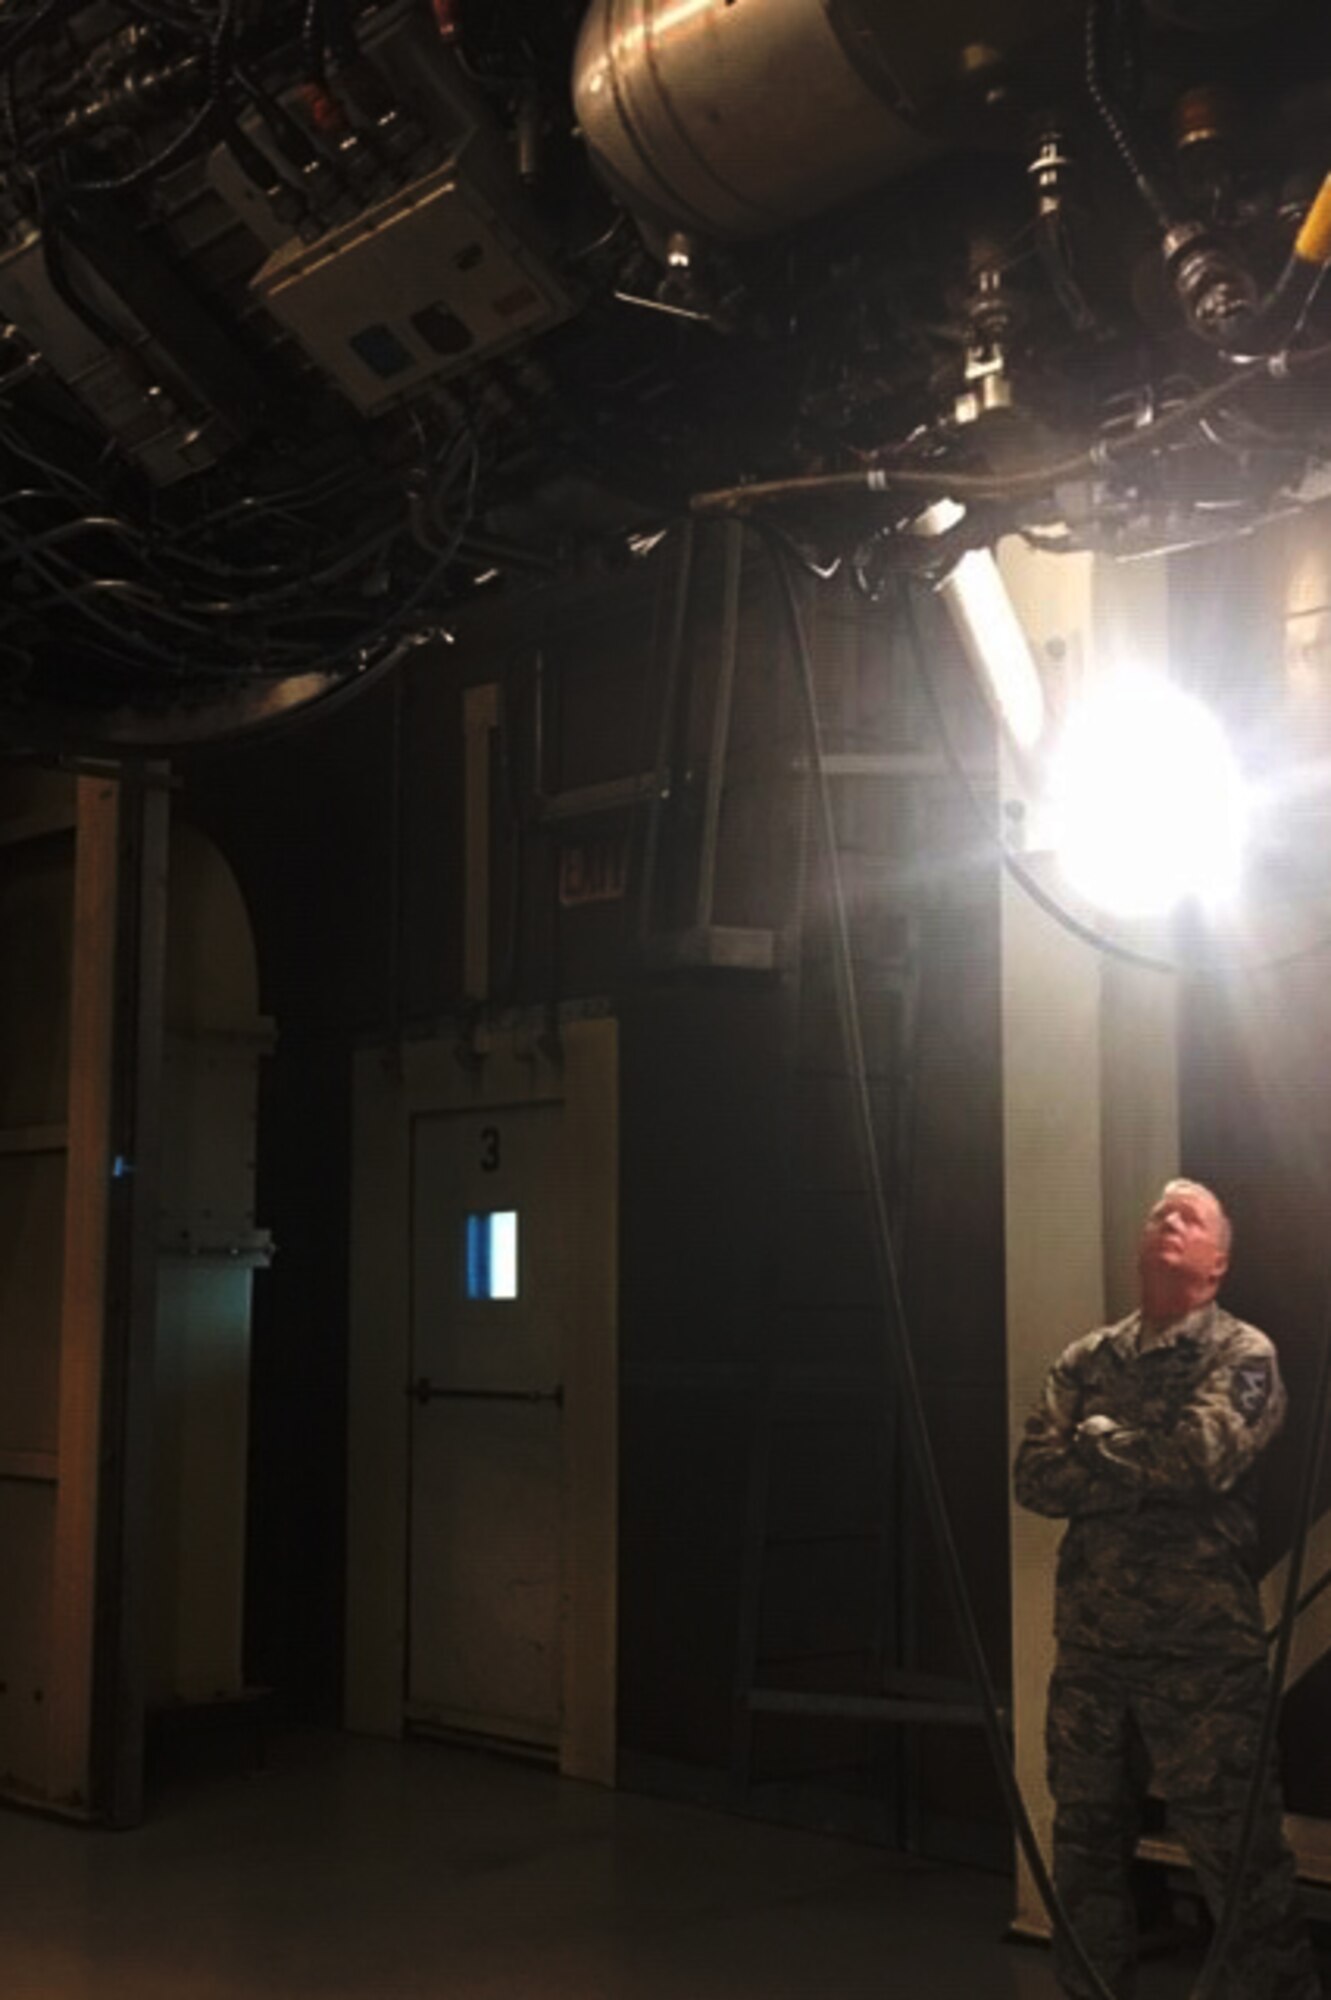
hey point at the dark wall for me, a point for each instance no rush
(305, 820)
(751, 1326)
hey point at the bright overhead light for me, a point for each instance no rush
(1148, 805)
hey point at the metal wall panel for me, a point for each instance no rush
(200, 1426)
(208, 1250)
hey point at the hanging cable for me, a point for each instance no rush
(1309, 1479)
(896, 1335)
(220, 47)
(1124, 145)
(888, 475)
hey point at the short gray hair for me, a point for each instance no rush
(1181, 1185)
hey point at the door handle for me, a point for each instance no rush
(423, 1391)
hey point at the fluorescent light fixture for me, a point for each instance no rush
(1148, 805)
(987, 624)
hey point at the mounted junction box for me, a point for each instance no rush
(422, 286)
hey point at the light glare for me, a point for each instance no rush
(1148, 803)
(492, 1255)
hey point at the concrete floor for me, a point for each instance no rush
(396, 1872)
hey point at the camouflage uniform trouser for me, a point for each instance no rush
(1191, 1728)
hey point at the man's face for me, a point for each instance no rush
(1184, 1234)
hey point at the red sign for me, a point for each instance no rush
(594, 871)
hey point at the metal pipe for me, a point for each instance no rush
(725, 689)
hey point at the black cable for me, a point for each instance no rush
(1310, 1476)
(41, 555)
(940, 483)
(1056, 260)
(313, 41)
(375, 635)
(146, 648)
(221, 43)
(49, 203)
(895, 1327)
(49, 15)
(340, 28)
(327, 27)
(75, 488)
(163, 17)
(1114, 125)
(1308, 1598)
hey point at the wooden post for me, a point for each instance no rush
(82, 1315)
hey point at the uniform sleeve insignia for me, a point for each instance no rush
(1250, 1389)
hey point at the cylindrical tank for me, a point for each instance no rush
(735, 118)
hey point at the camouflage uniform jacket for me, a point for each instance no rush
(1157, 1488)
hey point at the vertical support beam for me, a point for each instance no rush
(87, 1222)
(1090, 1120)
(480, 720)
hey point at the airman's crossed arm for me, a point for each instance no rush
(1073, 1463)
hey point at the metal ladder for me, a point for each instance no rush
(828, 1586)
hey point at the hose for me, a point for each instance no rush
(942, 484)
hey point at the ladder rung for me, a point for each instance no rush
(863, 1707)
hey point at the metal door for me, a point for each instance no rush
(490, 1294)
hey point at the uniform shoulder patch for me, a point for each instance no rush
(1250, 1389)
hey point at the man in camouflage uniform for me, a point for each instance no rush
(1145, 1439)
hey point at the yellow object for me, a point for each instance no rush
(1313, 243)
